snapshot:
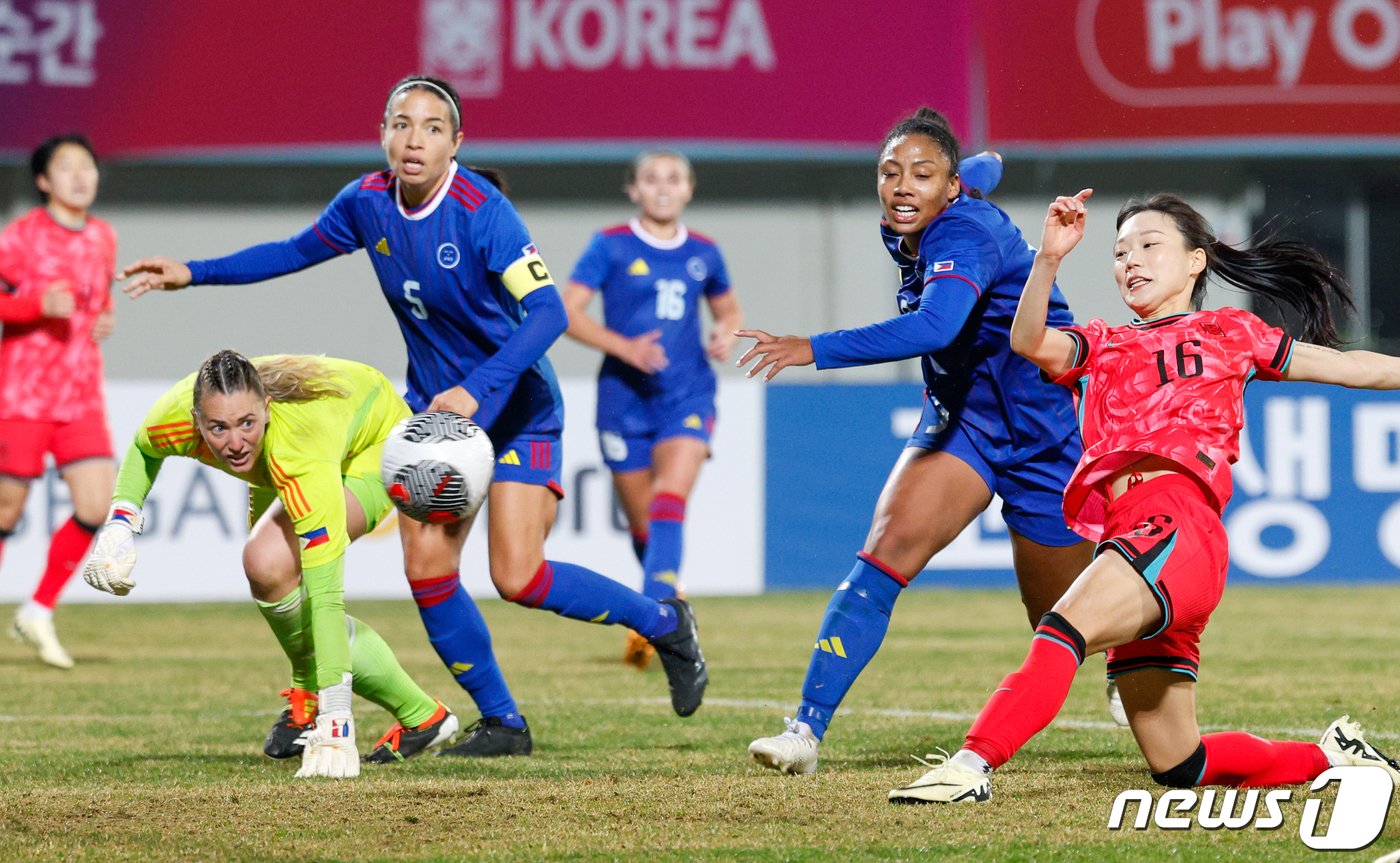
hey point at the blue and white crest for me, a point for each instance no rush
(448, 255)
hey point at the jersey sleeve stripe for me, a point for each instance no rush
(463, 185)
(338, 249)
(954, 276)
(184, 424)
(291, 489)
(461, 199)
(1283, 355)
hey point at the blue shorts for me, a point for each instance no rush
(1031, 490)
(532, 459)
(628, 431)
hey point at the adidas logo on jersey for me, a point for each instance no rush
(639, 268)
(692, 422)
(510, 458)
(382, 247)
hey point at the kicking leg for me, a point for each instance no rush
(927, 501)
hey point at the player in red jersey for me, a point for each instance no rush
(1161, 406)
(56, 267)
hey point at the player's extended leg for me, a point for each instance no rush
(271, 561)
(90, 483)
(928, 499)
(457, 631)
(1108, 605)
(1161, 709)
(521, 516)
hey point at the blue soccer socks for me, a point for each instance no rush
(458, 633)
(851, 632)
(665, 545)
(574, 591)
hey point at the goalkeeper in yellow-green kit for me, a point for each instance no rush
(306, 433)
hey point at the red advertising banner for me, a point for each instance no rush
(1211, 71)
(572, 77)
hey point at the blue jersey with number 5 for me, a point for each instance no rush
(440, 267)
(653, 284)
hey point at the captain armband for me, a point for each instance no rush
(525, 275)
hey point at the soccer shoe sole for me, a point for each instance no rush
(942, 792)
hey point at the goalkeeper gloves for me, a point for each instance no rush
(114, 552)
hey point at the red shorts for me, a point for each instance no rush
(1174, 539)
(23, 444)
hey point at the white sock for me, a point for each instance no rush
(34, 610)
(1335, 759)
(968, 758)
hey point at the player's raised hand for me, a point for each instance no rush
(58, 301)
(154, 274)
(457, 400)
(645, 353)
(774, 353)
(1064, 224)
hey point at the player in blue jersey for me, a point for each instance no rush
(656, 390)
(990, 425)
(478, 309)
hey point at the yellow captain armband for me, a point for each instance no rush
(526, 275)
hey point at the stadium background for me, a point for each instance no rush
(227, 125)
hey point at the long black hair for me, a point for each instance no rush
(1288, 272)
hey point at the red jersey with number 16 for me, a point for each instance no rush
(1171, 387)
(50, 368)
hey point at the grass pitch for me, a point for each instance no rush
(150, 748)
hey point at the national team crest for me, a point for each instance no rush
(697, 269)
(448, 255)
(462, 42)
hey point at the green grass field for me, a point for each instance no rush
(150, 748)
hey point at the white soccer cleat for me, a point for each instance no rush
(1115, 705)
(1345, 738)
(330, 749)
(39, 632)
(793, 751)
(947, 782)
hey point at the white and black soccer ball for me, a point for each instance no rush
(437, 467)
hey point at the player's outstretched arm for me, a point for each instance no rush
(1365, 370)
(154, 274)
(1050, 349)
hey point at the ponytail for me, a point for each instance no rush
(1285, 271)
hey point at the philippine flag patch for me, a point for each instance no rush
(125, 515)
(319, 536)
(942, 266)
(529, 250)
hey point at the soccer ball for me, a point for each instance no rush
(437, 467)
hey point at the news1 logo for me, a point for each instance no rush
(1357, 818)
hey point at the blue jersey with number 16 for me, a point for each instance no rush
(440, 267)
